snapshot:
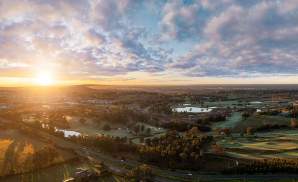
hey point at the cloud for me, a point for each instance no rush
(180, 20)
(80, 37)
(108, 13)
(244, 41)
(197, 38)
(94, 38)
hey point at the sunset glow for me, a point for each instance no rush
(44, 79)
(149, 42)
(148, 90)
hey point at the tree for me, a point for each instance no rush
(136, 129)
(194, 131)
(217, 149)
(82, 120)
(183, 156)
(175, 151)
(106, 127)
(141, 139)
(141, 173)
(148, 131)
(227, 131)
(294, 123)
(245, 115)
(142, 128)
(249, 131)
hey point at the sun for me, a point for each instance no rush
(45, 78)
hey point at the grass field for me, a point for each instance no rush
(259, 120)
(230, 122)
(17, 149)
(89, 128)
(283, 144)
(56, 173)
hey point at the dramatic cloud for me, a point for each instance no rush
(246, 40)
(76, 36)
(196, 38)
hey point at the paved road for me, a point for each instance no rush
(162, 175)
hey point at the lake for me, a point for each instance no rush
(68, 133)
(192, 109)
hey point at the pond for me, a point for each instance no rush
(68, 133)
(256, 102)
(192, 109)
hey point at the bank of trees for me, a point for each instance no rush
(184, 126)
(59, 120)
(175, 151)
(106, 143)
(266, 166)
(141, 173)
(120, 115)
(211, 118)
(178, 126)
(161, 107)
(270, 127)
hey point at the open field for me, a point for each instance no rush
(17, 151)
(259, 120)
(230, 122)
(89, 128)
(281, 144)
(57, 172)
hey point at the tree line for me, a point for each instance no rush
(289, 166)
(175, 151)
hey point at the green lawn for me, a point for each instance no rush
(56, 173)
(283, 144)
(259, 120)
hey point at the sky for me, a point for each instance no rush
(149, 41)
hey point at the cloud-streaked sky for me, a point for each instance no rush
(150, 41)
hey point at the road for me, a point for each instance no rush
(162, 175)
(121, 167)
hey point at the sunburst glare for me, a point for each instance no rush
(45, 78)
